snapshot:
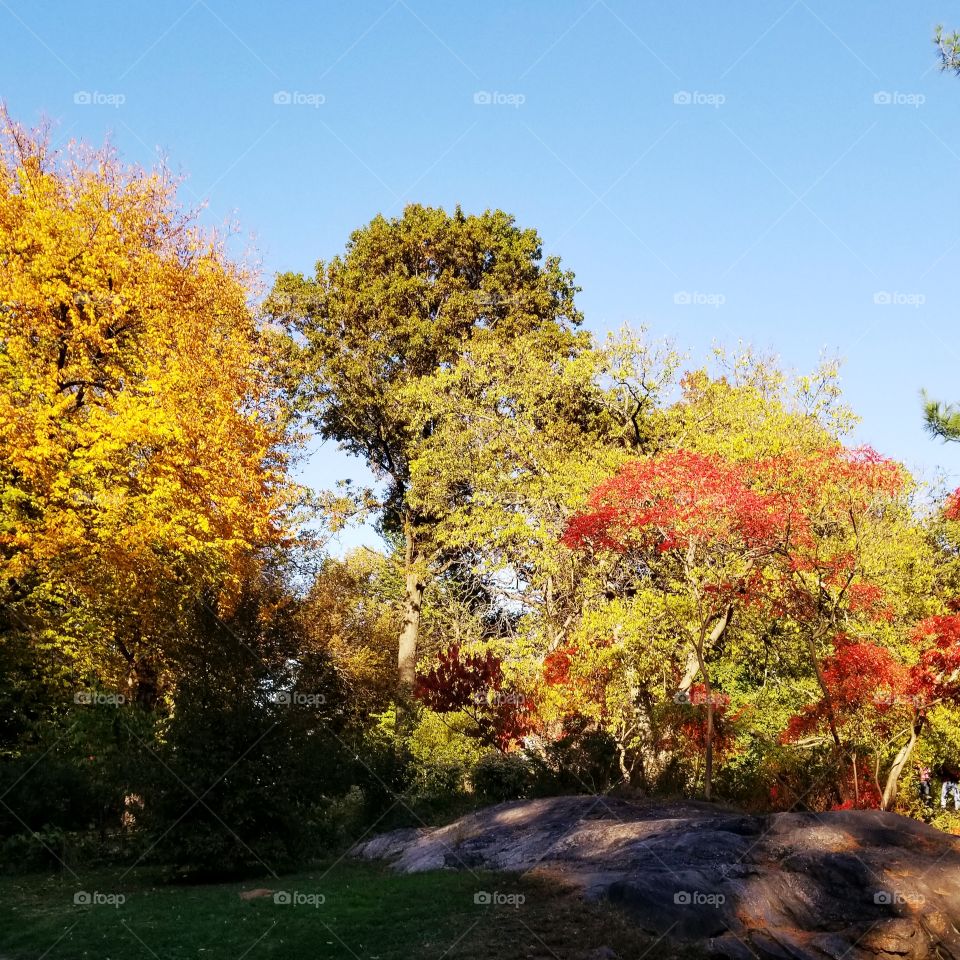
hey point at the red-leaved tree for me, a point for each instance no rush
(713, 535)
(474, 684)
(709, 528)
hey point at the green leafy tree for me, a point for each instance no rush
(380, 327)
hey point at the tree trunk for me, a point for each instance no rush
(899, 763)
(410, 627)
(824, 689)
(701, 647)
(708, 768)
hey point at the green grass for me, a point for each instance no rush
(367, 912)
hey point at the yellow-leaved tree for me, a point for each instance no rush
(144, 438)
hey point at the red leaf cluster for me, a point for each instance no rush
(474, 683)
(936, 675)
(860, 676)
(693, 724)
(671, 500)
(556, 666)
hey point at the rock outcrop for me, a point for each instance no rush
(859, 885)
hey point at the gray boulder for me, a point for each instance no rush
(861, 885)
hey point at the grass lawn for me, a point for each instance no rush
(366, 912)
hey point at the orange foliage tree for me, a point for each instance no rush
(144, 442)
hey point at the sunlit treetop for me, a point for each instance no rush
(142, 433)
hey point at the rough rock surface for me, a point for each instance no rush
(859, 885)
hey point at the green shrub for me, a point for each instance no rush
(442, 756)
(583, 761)
(502, 776)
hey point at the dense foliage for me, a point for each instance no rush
(597, 572)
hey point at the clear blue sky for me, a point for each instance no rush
(782, 199)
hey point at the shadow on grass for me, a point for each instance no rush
(342, 910)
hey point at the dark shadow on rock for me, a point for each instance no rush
(858, 885)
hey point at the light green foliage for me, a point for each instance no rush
(443, 754)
